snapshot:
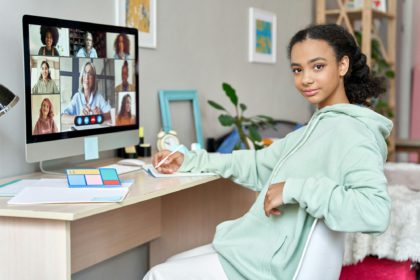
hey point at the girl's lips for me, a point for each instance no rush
(310, 92)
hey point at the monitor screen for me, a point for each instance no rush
(81, 80)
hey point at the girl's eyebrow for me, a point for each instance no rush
(309, 61)
(316, 59)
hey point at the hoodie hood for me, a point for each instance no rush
(379, 125)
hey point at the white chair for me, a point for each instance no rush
(323, 257)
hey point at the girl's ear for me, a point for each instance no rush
(343, 66)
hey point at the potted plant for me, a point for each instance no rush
(247, 127)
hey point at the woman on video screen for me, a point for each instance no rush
(87, 100)
(122, 47)
(45, 123)
(49, 37)
(45, 83)
(125, 117)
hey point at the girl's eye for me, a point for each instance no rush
(318, 67)
(296, 70)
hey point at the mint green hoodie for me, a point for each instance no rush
(333, 169)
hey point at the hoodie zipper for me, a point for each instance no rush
(316, 118)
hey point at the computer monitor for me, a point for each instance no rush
(81, 80)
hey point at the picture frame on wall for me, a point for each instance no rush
(262, 36)
(140, 14)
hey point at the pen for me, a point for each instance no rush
(171, 153)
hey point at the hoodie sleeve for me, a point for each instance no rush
(249, 168)
(361, 203)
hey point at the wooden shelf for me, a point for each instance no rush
(358, 13)
(338, 13)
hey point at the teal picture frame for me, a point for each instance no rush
(167, 96)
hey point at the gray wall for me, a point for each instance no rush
(200, 44)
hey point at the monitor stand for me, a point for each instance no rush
(91, 152)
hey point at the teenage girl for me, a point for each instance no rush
(330, 170)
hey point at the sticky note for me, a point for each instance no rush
(94, 178)
(78, 180)
(109, 173)
(91, 148)
(83, 171)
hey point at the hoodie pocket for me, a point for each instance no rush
(250, 245)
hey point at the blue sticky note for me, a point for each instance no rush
(76, 180)
(91, 148)
(109, 173)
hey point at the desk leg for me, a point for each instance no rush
(189, 217)
(34, 249)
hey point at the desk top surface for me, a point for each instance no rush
(144, 188)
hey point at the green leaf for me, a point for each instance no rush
(266, 118)
(216, 106)
(226, 120)
(358, 36)
(243, 107)
(230, 92)
(253, 133)
(390, 74)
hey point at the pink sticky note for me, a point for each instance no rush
(94, 180)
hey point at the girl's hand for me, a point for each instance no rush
(171, 164)
(273, 199)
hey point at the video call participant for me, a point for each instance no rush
(45, 83)
(88, 50)
(87, 101)
(125, 117)
(49, 37)
(125, 85)
(122, 47)
(45, 123)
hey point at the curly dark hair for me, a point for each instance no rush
(359, 83)
(126, 43)
(54, 32)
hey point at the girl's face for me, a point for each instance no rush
(127, 104)
(44, 71)
(45, 109)
(88, 78)
(317, 74)
(48, 40)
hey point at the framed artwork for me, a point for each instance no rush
(262, 36)
(140, 14)
(167, 96)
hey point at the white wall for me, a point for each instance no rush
(200, 45)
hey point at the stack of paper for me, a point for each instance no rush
(57, 191)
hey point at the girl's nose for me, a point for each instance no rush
(306, 78)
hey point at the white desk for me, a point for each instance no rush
(176, 214)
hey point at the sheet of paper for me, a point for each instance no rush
(121, 169)
(13, 188)
(42, 195)
(153, 172)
